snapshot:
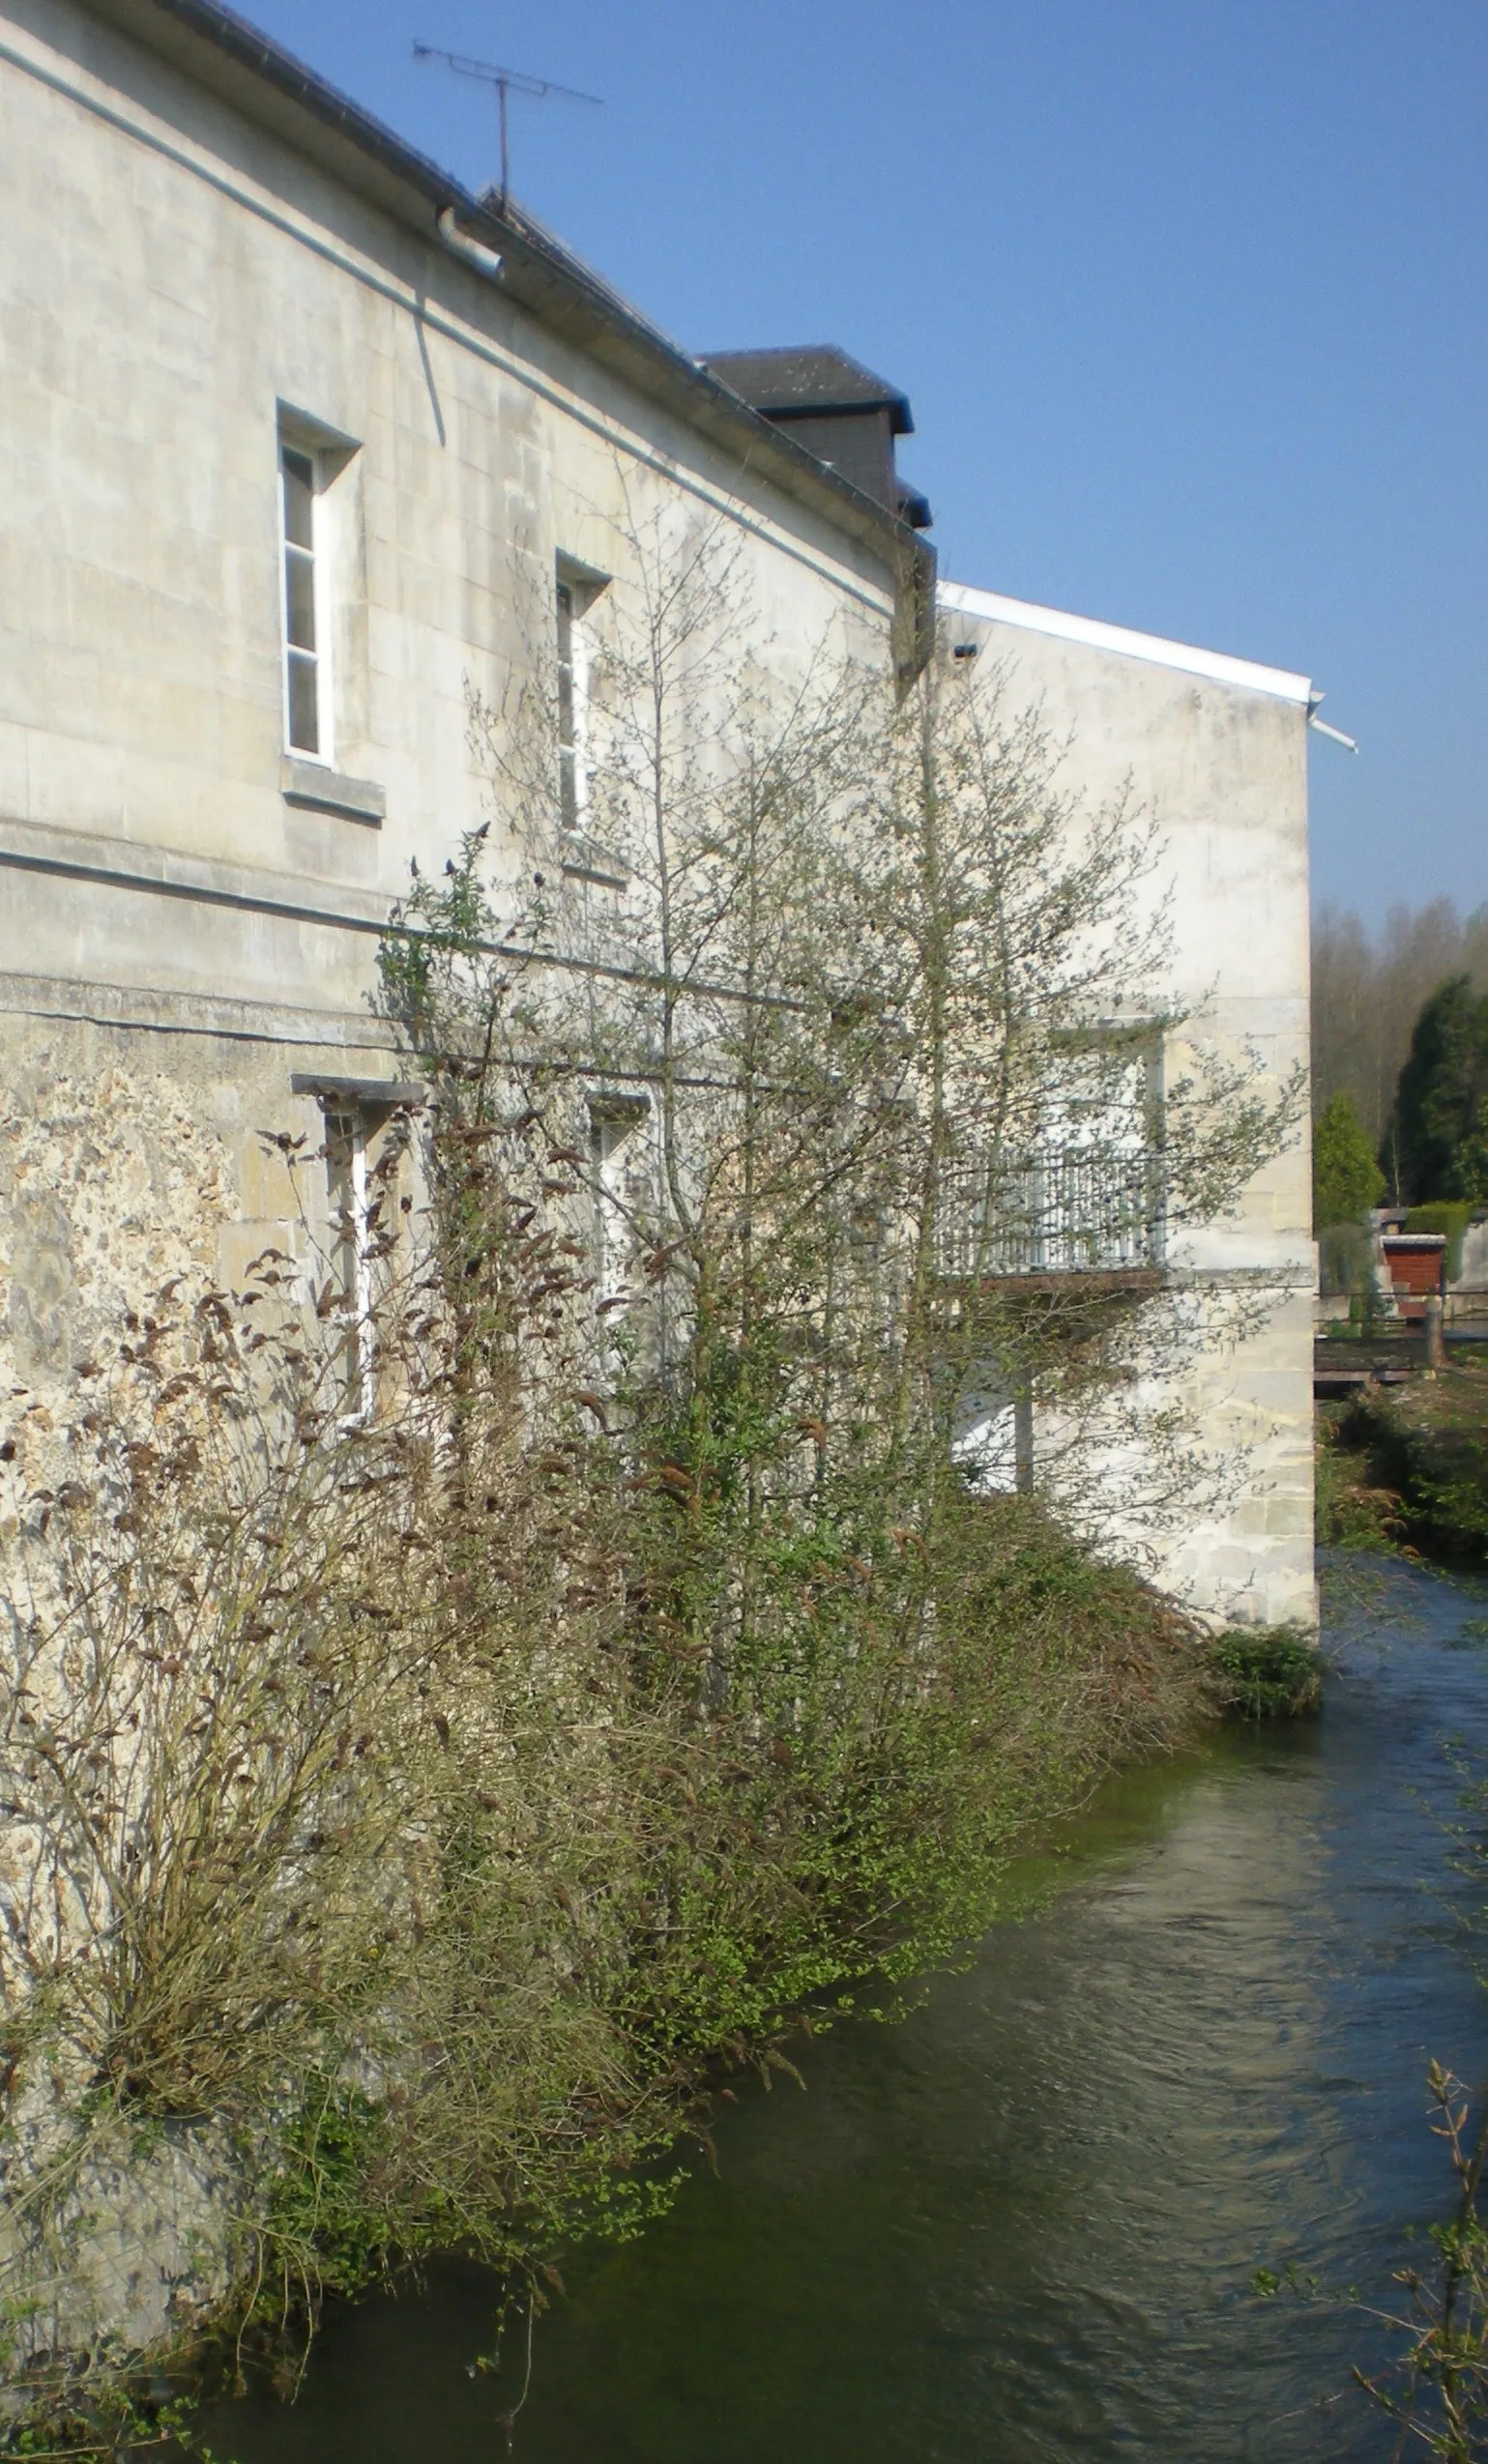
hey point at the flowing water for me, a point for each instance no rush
(1022, 2224)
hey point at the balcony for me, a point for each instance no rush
(1085, 1209)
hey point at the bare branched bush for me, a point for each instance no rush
(422, 1795)
(1436, 2389)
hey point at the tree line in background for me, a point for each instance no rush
(1400, 1060)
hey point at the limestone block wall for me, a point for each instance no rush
(190, 911)
(177, 283)
(193, 269)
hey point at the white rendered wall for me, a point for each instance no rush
(1214, 750)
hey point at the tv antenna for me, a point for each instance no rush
(506, 82)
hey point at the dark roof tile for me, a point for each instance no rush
(812, 376)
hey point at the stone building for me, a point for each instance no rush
(1211, 751)
(260, 357)
(305, 446)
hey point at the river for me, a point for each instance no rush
(1022, 2224)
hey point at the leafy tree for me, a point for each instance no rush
(871, 1023)
(1436, 1145)
(1346, 1178)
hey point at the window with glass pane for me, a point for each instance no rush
(347, 1195)
(302, 653)
(567, 712)
(616, 1160)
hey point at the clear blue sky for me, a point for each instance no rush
(1189, 297)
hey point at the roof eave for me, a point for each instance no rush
(218, 48)
(899, 421)
(990, 607)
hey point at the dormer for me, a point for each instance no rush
(837, 409)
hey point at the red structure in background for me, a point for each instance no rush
(1416, 1265)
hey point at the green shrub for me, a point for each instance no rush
(1267, 1673)
(1429, 1483)
(1346, 1179)
(1353, 1510)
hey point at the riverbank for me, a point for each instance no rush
(578, 2013)
(1024, 2224)
(1407, 1468)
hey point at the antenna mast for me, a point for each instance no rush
(506, 82)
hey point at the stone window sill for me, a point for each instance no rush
(376, 1094)
(584, 860)
(313, 787)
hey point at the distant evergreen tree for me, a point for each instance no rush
(1436, 1145)
(1346, 1179)
(1367, 990)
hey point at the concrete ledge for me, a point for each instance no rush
(387, 1092)
(313, 785)
(158, 1010)
(584, 860)
(134, 864)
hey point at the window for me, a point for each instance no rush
(577, 589)
(306, 728)
(1086, 1193)
(993, 1441)
(350, 1261)
(569, 781)
(612, 1122)
(369, 1130)
(321, 610)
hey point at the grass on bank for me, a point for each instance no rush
(1409, 1471)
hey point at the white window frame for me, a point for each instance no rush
(572, 707)
(613, 1122)
(330, 454)
(347, 1128)
(291, 441)
(580, 585)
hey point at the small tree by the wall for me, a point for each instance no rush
(879, 996)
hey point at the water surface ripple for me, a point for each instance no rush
(1022, 2225)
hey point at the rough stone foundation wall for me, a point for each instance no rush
(128, 1156)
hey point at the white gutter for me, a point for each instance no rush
(1323, 728)
(460, 244)
(956, 599)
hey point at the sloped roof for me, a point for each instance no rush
(214, 45)
(810, 376)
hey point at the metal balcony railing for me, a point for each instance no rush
(1084, 1209)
